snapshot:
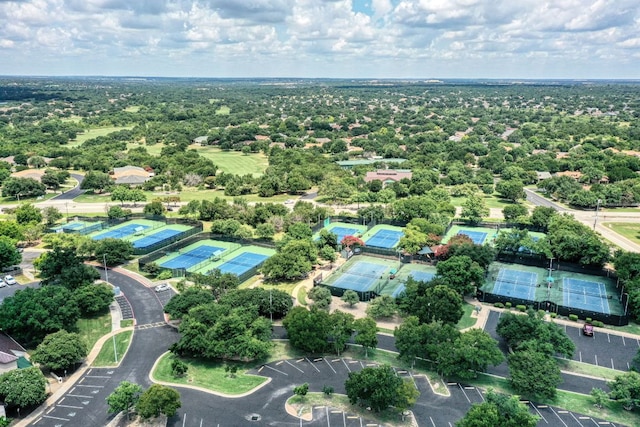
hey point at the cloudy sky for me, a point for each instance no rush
(322, 38)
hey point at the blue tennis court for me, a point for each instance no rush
(121, 232)
(360, 276)
(242, 263)
(154, 238)
(516, 283)
(585, 294)
(384, 239)
(193, 257)
(478, 237)
(399, 290)
(422, 276)
(340, 232)
(74, 225)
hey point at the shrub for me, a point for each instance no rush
(541, 313)
(498, 304)
(573, 317)
(327, 390)
(553, 315)
(589, 320)
(301, 390)
(508, 304)
(521, 307)
(178, 368)
(152, 268)
(598, 323)
(165, 275)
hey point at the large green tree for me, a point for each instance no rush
(534, 374)
(625, 388)
(469, 354)
(97, 181)
(498, 410)
(9, 254)
(22, 187)
(460, 273)
(307, 329)
(62, 266)
(158, 399)
(124, 397)
(432, 301)
(377, 388)
(474, 209)
(27, 213)
(31, 314)
(113, 251)
(93, 299)
(60, 351)
(23, 387)
(366, 330)
(181, 303)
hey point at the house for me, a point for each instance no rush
(12, 354)
(131, 175)
(202, 140)
(388, 176)
(541, 176)
(29, 173)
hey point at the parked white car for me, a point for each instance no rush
(162, 287)
(2, 284)
(9, 280)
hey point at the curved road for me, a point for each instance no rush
(74, 192)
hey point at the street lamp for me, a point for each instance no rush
(104, 262)
(595, 221)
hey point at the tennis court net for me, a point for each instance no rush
(527, 282)
(363, 274)
(587, 293)
(242, 263)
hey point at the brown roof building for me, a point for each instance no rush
(388, 176)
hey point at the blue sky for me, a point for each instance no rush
(580, 39)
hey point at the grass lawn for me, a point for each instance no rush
(287, 287)
(223, 111)
(186, 195)
(95, 132)
(234, 161)
(629, 230)
(492, 201)
(12, 201)
(588, 369)
(106, 356)
(133, 108)
(93, 328)
(467, 321)
(302, 296)
(208, 374)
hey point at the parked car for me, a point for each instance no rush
(9, 280)
(587, 329)
(162, 287)
(2, 283)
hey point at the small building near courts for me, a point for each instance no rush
(388, 176)
(131, 175)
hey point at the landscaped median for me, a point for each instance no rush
(120, 343)
(208, 376)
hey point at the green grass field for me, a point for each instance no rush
(208, 374)
(223, 111)
(106, 356)
(93, 133)
(629, 230)
(234, 161)
(93, 328)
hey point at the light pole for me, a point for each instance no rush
(104, 262)
(595, 221)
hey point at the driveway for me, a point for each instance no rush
(74, 192)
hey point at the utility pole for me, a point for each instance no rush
(104, 262)
(595, 221)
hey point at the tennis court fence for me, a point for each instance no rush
(169, 240)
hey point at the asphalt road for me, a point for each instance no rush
(538, 200)
(74, 192)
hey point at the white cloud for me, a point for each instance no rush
(405, 38)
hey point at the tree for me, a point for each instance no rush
(381, 307)
(124, 397)
(600, 397)
(22, 187)
(350, 297)
(410, 339)
(474, 208)
(158, 399)
(27, 213)
(113, 251)
(301, 390)
(366, 330)
(511, 189)
(63, 267)
(542, 215)
(178, 367)
(23, 387)
(377, 388)
(31, 314)
(181, 303)
(265, 231)
(155, 208)
(469, 354)
(9, 254)
(270, 303)
(534, 374)
(625, 388)
(121, 193)
(432, 301)
(285, 266)
(51, 215)
(498, 410)
(93, 299)
(307, 329)
(340, 330)
(116, 212)
(11, 229)
(321, 297)
(60, 351)
(460, 273)
(97, 181)
(513, 212)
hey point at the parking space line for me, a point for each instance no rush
(312, 364)
(432, 423)
(577, 420)
(346, 366)
(334, 371)
(274, 369)
(79, 395)
(414, 381)
(580, 354)
(70, 406)
(344, 420)
(94, 386)
(327, 411)
(279, 363)
(556, 414)
(56, 418)
(465, 393)
(612, 367)
(596, 356)
(480, 393)
(623, 341)
(536, 409)
(97, 376)
(293, 366)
